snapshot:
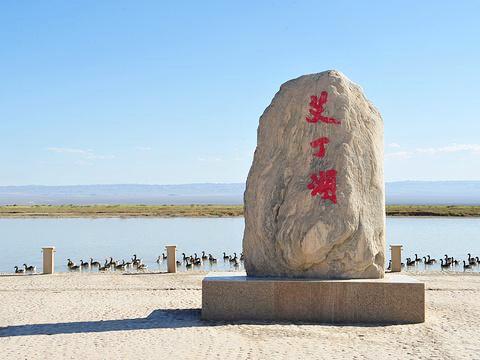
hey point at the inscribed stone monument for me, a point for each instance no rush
(314, 202)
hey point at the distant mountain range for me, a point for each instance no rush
(123, 194)
(402, 193)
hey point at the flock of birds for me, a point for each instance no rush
(446, 262)
(195, 261)
(25, 269)
(136, 263)
(110, 264)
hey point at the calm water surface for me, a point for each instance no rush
(21, 240)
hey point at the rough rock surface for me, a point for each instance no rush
(290, 232)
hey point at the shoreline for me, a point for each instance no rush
(206, 211)
(63, 315)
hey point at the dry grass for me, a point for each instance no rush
(429, 210)
(201, 211)
(122, 211)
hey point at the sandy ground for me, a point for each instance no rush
(104, 316)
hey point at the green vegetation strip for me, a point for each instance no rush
(437, 210)
(121, 211)
(200, 211)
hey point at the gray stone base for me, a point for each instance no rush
(396, 299)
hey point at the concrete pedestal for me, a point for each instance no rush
(396, 299)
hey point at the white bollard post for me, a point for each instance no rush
(48, 259)
(171, 258)
(396, 256)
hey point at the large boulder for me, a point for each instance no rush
(315, 202)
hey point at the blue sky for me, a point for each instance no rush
(160, 92)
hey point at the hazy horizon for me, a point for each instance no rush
(206, 182)
(398, 192)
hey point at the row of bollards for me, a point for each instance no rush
(49, 259)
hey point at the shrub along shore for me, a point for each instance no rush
(15, 211)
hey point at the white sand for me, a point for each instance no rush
(157, 316)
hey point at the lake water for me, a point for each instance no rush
(21, 240)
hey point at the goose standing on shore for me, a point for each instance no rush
(136, 261)
(471, 260)
(104, 267)
(74, 268)
(233, 259)
(31, 269)
(112, 262)
(410, 262)
(427, 261)
(94, 263)
(120, 266)
(445, 265)
(19, 271)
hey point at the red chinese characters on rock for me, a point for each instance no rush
(316, 111)
(325, 185)
(320, 143)
(325, 182)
